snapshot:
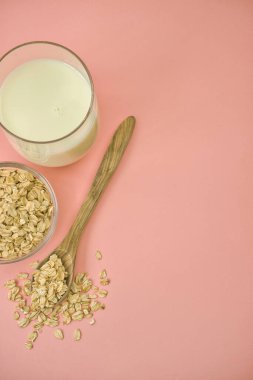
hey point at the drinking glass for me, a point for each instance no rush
(67, 149)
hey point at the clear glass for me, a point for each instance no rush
(67, 149)
(49, 188)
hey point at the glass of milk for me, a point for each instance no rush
(48, 108)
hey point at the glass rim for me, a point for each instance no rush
(91, 85)
(52, 228)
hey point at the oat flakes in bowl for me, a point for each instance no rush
(28, 212)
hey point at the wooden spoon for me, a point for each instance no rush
(68, 247)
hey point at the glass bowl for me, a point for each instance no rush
(49, 234)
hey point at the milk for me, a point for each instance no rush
(44, 100)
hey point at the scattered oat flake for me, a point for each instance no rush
(21, 303)
(92, 296)
(26, 309)
(92, 321)
(34, 264)
(102, 293)
(38, 326)
(99, 255)
(33, 336)
(77, 334)
(23, 322)
(105, 281)
(103, 274)
(29, 345)
(59, 334)
(16, 315)
(23, 275)
(10, 284)
(89, 315)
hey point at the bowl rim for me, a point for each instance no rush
(54, 219)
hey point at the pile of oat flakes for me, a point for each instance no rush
(36, 298)
(26, 211)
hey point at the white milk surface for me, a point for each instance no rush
(43, 100)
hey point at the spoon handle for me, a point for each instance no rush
(105, 171)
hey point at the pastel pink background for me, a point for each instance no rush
(175, 224)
